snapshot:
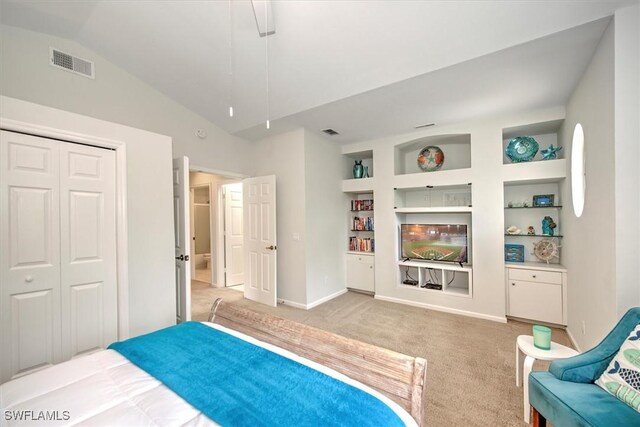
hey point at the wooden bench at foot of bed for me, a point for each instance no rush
(396, 375)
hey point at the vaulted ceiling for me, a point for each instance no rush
(366, 68)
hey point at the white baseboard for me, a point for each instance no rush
(325, 299)
(292, 303)
(313, 304)
(573, 340)
(443, 309)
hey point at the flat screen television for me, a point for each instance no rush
(434, 242)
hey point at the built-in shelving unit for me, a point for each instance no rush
(361, 223)
(437, 277)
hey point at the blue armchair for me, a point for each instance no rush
(567, 395)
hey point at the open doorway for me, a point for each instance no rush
(215, 210)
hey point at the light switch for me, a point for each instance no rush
(296, 236)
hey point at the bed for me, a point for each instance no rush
(105, 388)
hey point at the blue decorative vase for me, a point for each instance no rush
(548, 224)
(358, 169)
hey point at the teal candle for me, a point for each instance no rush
(541, 337)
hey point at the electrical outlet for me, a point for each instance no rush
(584, 328)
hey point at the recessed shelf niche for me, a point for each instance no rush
(545, 133)
(350, 158)
(456, 149)
(518, 194)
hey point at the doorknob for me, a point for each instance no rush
(271, 248)
(183, 257)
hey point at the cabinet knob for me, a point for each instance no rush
(371, 266)
(28, 279)
(513, 284)
(534, 276)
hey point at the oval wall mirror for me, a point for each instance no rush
(578, 170)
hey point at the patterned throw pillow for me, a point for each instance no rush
(622, 377)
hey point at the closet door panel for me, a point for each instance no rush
(88, 248)
(29, 254)
(32, 332)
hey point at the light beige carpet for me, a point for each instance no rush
(470, 362)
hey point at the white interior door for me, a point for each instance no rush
(89, 294)
(29, 254)
(260, 239)
(234, 235)
(182, 234)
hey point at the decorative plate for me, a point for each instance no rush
(521, 149)
(430, 159)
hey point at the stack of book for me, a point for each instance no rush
(362, 224)
(358, 244)
(362, 205)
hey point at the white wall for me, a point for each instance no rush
(627, 156)
(589, 247)
(283, 155)
(114, 95)
(152, 302)
(325, 217)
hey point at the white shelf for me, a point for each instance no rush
(535, 172)
(458, 292)
(436, 265)
(541, 266)
(439, 209)
(361, 185)
(361, 253)
(451, 177)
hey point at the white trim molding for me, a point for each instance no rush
(122, 256)
(443, 309)
(327, 298)
(314, 303)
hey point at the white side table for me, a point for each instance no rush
(525, 347)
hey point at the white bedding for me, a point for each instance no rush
(105, 389)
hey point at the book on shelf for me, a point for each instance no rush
(359, 244)
(362, 205)
(362, 224)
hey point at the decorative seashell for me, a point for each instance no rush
(513, 230)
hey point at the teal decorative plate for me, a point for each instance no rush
(521, 149)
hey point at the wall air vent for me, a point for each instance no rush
(71, 63)
(330, 132)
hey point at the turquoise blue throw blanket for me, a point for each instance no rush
(236, 383)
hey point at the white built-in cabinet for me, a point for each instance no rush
(360, 273)
(537, 292)
(58, 293)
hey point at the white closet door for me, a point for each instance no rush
(29, 254)
(88, 249)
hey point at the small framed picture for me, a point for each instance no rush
(543, 200)
(513, 253)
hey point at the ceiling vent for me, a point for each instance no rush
(330, 132)
(426, 125)
(71, 63)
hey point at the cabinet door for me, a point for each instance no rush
(360, 272)
(535, 301)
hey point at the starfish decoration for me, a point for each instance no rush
(550, 153)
